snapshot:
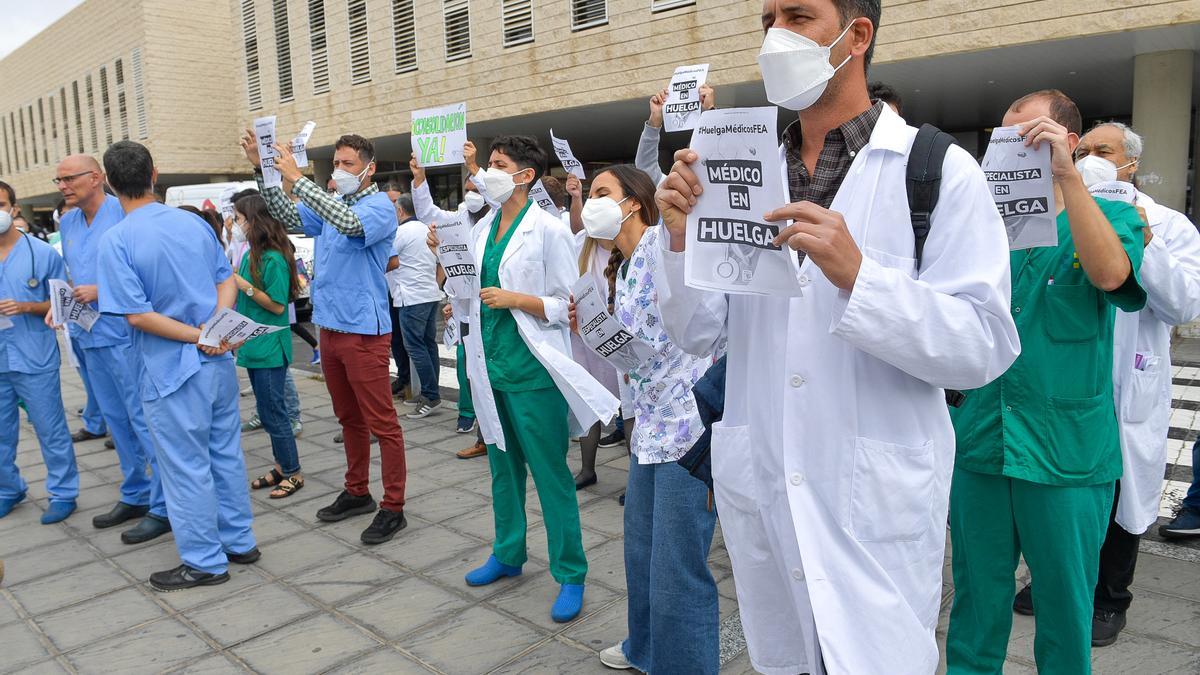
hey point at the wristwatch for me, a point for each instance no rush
(250, 292)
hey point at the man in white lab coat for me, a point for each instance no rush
(832, 464)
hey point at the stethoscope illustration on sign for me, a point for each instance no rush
(740, 259)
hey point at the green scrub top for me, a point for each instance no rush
(273, 349)
(1050, 419)
(510, 364)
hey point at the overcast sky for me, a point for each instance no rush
(22, 19)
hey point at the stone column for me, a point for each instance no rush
(1162, 113)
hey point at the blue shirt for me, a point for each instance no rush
(29, 346)
(349, 290)
(165, 260)
(81, 250)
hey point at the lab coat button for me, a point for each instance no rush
(797, 478)
(798, 574)
(797, 381)
(804, 280)
(1008, 408)
(1016, 310)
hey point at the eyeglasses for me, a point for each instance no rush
(68, 179)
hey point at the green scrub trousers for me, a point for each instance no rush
(465, 407)
(536, 433)
(993, 521)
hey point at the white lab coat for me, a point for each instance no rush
(1170, 274)
(539, 260)
(832, 465)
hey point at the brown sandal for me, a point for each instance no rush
(287, 487)
(269, 480)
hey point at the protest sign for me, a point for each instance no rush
(450, 334)
(729, 246)
(64, 307)
(225, 202)
(264, 135)
(601, 332)
(681, 111)
(1114, 190)
(456, 254)
(542, 198)
(229, 326)
(438, 134)
(563, 150)
(300, 144)
(1019, 179)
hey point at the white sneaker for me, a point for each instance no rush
(614, 657)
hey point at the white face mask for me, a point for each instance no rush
(238, 232)
(1095, 170)
(499, 184)
(474, 201)
(602, 218)
(348, 183)
(795, 69)
(6, 221)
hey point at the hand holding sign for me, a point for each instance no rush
(300, 144)
(677, 195)
(823, 236)
(563, 150)
(681, 110)
(264, 135)
(1045, 130)
(1018, 177)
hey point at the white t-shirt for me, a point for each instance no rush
(415, 281)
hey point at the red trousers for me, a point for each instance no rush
(356, 374)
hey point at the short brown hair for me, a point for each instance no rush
(366, 149)
(1062, 109)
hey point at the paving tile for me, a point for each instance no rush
(602, 629)
(428, 434)
(1167, 618)
(48, 667)
(475, 641)
(159, 646)
(453, 471)
(386, 660)
(398, 609)
(536, 542)
(272, 525)
(446, 503)
(606, 565)
(605, 515)
(44, 560)
(346, 577)
(8, 613)
(532, 601)
(33, 535)
(211, 665)
(480, 524)
(108, 614)
(429, 546)
(1167, 576)
(24, 517)
(21, 647)
(451, 573)
(1135, 654)
(309, 646)
(300, 552)
(50, 593)
(555, 657)
(245, 615)
(162, 554)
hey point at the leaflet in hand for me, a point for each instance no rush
(456, 254)
(300, 144)
(1114, 190)
(1019, 179)
(450, 334)
(229, 326)
(601, 332)
(264, 135)
(64, 307)
(225, 202)
(539, 195)
(729, 244)
(681, 110)
(563, 150)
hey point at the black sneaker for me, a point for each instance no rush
(613, 440)
(1106, 626)
(148, 528)
(184, 577)
(346, 505)
(120, 513)
(248, 558)
(1023, 603)
(384, 527)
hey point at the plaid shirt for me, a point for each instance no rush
(332, 209)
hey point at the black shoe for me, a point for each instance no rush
(338, 438)
(621, 499)
(384, 527)
(110, 445)
(346, 505)
(613, 440)
(85, 435)
(119, 514)
(582, 481)
(184, 577)
(1023, 603)
(151, 527)
(248, 558)
(1106, 626)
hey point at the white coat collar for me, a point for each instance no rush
(524, 228)
(891, 132)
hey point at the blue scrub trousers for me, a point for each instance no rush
(116, 389)
(197, 440)
(93, 420)
(42, 395)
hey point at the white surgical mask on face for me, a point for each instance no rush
(348, 183)
(499, 183)
(1095, 170)
(795, 69)
(474, 201)
(239, 233)
(6, 221)
(602, 218)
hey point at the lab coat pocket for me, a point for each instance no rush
(1072, 313)
(1144, 392)
(897, 262)
(733, 475)
(891, 492)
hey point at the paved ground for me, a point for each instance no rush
(75, 599)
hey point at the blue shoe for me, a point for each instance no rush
(569, 603)
(58, 512)
(492, 571)
(8, 504)
(316, 358)
(1185, 524)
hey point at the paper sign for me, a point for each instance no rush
(225, 202)
(563, 150)
(300, 144)
(1019, 179)
(601, 332)
(1117, 191)
(229, 326)
(264, 134)
(438, 134)
(539, 195)
(450, 334)
(681, 111)
(729, 245)
(456, 254)
(64, 307)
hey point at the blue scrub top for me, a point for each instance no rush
(29, 346)
(165, 260)
(349, 291)
(81, 250)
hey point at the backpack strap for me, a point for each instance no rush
(923, 181)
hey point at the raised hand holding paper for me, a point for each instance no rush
(439, 134)
(681, 111)
(456, 254)
(300, 144)
(729, 243)
(562, 149)
(542, 198)
(264, 135)
(233, 328)
(65, 307)
(601, 332)
(1117, 191)
(1022, 186)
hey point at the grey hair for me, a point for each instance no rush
(1133, 140)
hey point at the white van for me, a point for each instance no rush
(208, 196)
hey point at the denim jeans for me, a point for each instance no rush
(271, 399)
(291, 397)
(418, 323)
(673, 616)
(1192, 501)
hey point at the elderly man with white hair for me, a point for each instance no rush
(1170, 274)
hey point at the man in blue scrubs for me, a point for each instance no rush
(29, 363)
(107, 351)
(164, 270)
